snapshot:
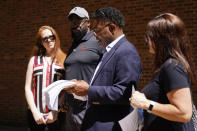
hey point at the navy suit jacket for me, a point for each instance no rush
(108, 96)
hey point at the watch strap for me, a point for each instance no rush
(152, 103)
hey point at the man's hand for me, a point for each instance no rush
(70, 89)
(81, 88)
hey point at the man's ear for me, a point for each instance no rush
(112, 28)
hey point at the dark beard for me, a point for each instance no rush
(77, 36)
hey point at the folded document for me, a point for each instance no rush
(53, 90)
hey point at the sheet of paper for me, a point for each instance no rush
(130, 122)
(53, 90)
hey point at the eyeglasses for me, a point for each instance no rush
(46, 39)
(97, 30)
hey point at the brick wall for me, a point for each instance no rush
(20, 20)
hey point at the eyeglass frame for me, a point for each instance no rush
(46, 39)
(102, 14)
(98, 31)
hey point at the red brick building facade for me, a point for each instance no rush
(20, 20)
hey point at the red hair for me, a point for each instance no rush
(39, 50)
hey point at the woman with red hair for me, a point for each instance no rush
(45, 66)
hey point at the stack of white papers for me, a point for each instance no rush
(53, 90)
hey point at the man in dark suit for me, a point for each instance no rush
(119, 69)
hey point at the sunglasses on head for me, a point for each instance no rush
(46, 39)
(100, 13)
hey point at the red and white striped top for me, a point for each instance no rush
(44, 74)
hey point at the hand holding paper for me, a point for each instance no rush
(70, 89)
(53, 90)
(139, 100)
(81, 88)
(133, 121)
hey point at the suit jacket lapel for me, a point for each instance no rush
(108, 56)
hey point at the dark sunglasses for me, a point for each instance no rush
(46, 39)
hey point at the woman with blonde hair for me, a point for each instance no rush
(45, 66)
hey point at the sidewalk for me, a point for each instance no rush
(8, 128)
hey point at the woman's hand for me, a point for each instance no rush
(179, 109)
(51, 117)
(38, 117)
(139, 100)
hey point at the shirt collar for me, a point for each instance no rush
(88, 36)
(113, 43)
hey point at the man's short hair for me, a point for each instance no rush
(109, 14)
